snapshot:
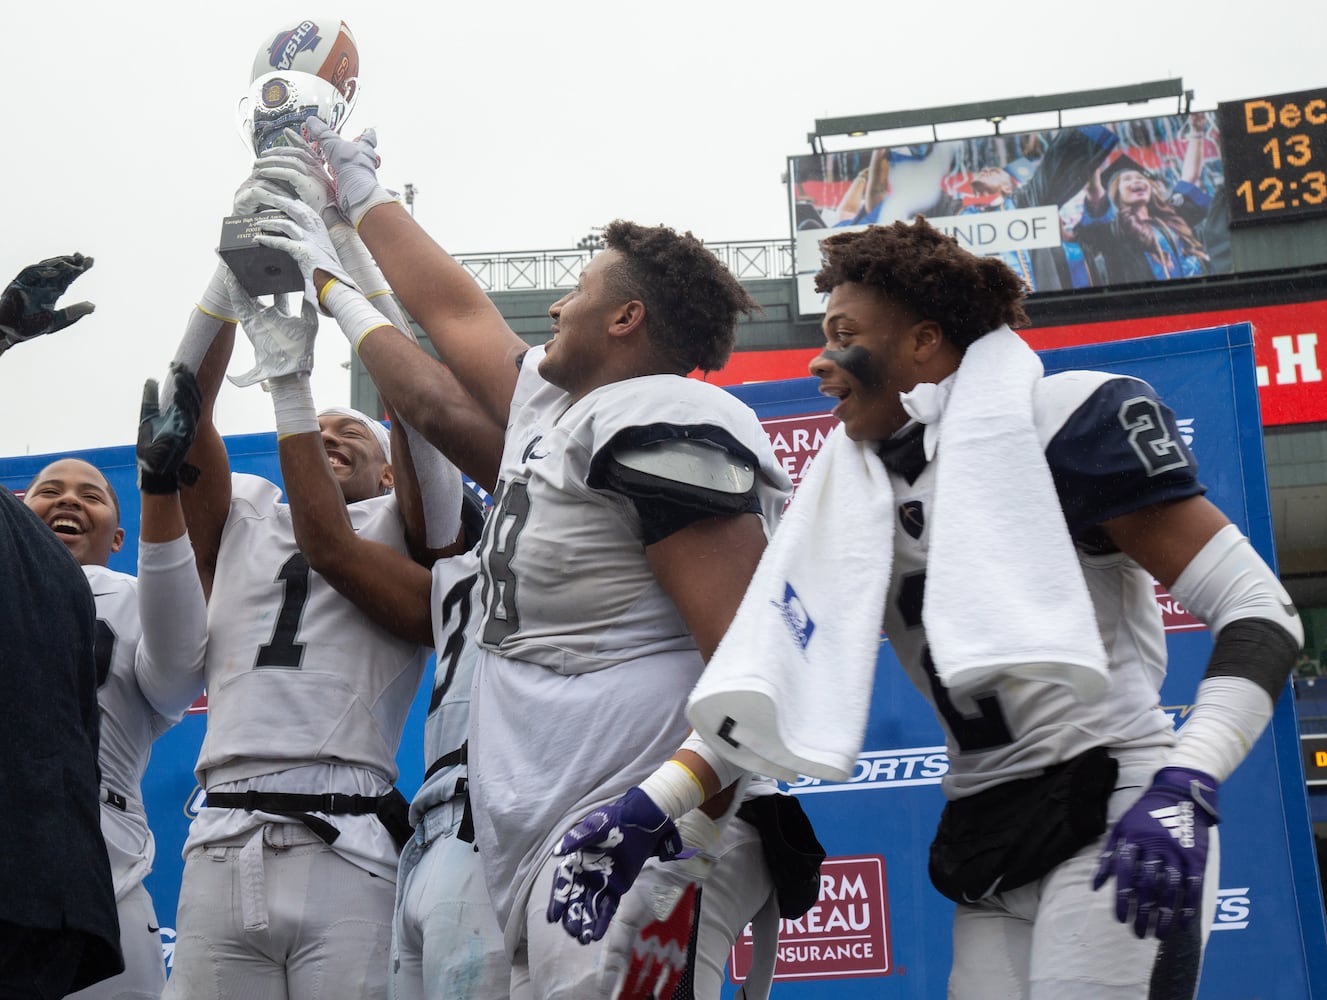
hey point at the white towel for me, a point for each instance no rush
(1004, 590)
(789, 688)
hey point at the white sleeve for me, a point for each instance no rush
(169, 666)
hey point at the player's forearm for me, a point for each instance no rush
(317, 507)
(170, 659)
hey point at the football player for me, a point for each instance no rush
(1117, 798)
(307, 699)
(602, 589)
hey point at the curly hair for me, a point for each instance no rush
(692, 302)
(929, 273)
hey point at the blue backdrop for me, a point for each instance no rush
(880, 930)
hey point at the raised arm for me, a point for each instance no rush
(173, 612)
(27, 304)
(387, 585)
(208, 340)
(464, 326)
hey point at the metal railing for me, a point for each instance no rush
(535, 270)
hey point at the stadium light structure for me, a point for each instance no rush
(997, 111)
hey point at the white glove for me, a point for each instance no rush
(282, 343)
(354, 164)
(307, 242)
(296, 169)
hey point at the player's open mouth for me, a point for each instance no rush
(66, 526)
(338, 460)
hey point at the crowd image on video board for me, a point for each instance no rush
(1073, 207)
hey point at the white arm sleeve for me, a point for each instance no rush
(169, 666)
(1228, 584)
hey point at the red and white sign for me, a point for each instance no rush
(1290, 348)
(846, 934)
(796, 440)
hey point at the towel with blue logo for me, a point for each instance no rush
(788, 690)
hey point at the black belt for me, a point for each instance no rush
(392, 809)
(461, 755)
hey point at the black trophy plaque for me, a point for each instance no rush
(260, 270)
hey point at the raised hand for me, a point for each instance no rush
(601, 857)
(354, 164)
(27, 305)
(165, 438)
(282, 343)
(1157, 852)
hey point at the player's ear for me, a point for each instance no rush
(387, 480)
(630, 317)
(117, 540)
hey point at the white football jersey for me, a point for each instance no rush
(1112, 447)
(297, 674)
(129, 724)
(565, 579)
(455, 615)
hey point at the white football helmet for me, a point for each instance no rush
(310, 69)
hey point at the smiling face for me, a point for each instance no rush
(573, 359)
(874, 350)
(1134, 189)
(75, 501)
(357, 459)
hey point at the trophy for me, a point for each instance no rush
(306, 71)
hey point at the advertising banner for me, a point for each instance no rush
(879, 928)
(1073, 207)
(1269, 923)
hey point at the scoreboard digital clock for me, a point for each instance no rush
(1274, 151)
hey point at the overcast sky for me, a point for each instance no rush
(522, 124)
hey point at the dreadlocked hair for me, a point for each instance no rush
(929, 273)
(692, 302)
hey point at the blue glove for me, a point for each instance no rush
(1158, 852)
(601, 857)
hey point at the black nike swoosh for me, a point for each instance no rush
(152, 930)
(107, 593)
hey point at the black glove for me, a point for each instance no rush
(27, 306)
(165, 438)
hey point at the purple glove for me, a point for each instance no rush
(601, 857)
(1158, 852)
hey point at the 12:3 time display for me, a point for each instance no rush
(1273, 194)
(1274, 151)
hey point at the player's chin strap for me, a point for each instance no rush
(1258, 635)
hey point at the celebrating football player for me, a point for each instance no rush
(1018, 492)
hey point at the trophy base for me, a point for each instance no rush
(260, 270)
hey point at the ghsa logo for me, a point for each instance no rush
(289, 44)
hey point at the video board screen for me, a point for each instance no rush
(1075, 207)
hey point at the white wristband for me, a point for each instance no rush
(292, 399)
(674, 789)
(727, 771)
(215, 301)
(1229, 714)
(353, 313)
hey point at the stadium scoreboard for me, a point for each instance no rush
(1275, 155)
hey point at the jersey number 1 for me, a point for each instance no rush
(282, 651)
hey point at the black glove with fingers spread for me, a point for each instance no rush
(165, 438)
(27, 305)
